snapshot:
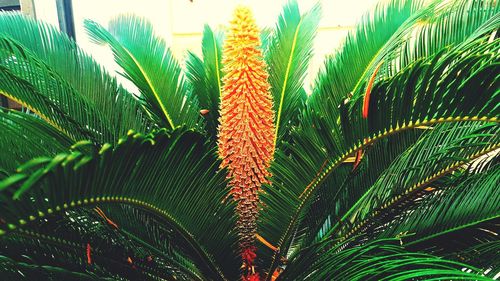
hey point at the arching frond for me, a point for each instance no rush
(439, 152)
(376, 260)
(173, 175)
(288, 54)
(147, 61)
(46, 71)
(420, 95)
(361, 50)
(27, 80)
(79, 241)
(471, 202)
(481, 255)
(451, 25)
(349, 182)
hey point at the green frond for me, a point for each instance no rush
(265, 38)
(483, 254)
(13, 270)
(426, 33)
(349, 181)
(376, 260)
(467, 18)
(158, 239)
(471, 202)
(439, 152)
(413, 98)
(146, 61)
(24, 137)
(46, 71)
(288, 54)
(361, 50)
(88, 241)
(205, 77)
(29, 81)
(173, 175)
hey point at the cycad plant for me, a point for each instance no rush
(229, 168)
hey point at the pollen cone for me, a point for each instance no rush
(246, 127)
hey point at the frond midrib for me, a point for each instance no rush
(285, 82)
(42, 116)
(217, 70)
(153, 89)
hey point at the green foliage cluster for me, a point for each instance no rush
(98, 182)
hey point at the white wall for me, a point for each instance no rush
(45, 10)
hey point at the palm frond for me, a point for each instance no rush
(361, 50)
(90, 255)
(82, 240)
(481, 255)
(265, 38)
(29, 81)
(60, 75)
(25, 137)
(445, 147)
(443, 150)
(473, 201)
(205, 77)
(173, 175)
(288, 54)
(147, 61)
(326, 130)
(159, 240)
(376, 260)
(459, 21)
(420, 95)
(348, 182)
(14, 270)
(425, 33)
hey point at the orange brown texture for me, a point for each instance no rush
(246, 127)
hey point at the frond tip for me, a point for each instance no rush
(246, 127)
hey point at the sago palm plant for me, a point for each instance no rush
(229, 168)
